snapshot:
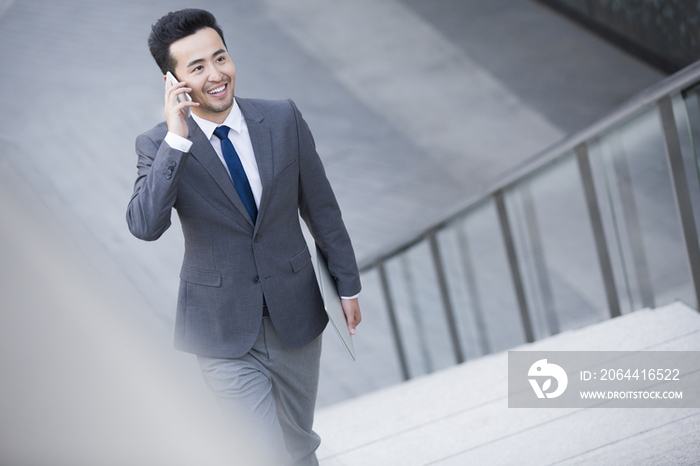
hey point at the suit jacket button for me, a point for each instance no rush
(256, 280)
(257, 238)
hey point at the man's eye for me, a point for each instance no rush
(198, 68)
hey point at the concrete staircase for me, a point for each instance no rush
(460, 416)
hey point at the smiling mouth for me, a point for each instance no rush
(218, 91)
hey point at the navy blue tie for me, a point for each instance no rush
(240, 180)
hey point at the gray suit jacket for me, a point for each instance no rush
(230, 263)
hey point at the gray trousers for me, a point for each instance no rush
(269, 396)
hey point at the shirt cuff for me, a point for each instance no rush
(350, 297)
(178, 142)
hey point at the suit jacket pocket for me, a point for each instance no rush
(200, 277)
(287, 169)
(300, 260)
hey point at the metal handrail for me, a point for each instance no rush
(636, 104)
(576, 146)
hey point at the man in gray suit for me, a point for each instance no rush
(239, 172)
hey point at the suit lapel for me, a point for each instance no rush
(205, 154)
(261, 140)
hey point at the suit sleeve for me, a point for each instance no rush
(155, 191)
(319, 209)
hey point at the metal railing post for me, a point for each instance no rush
(513, 263)
(403, 364)
(584, 169)
(445, 296)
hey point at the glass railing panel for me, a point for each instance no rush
(640, 217)
(556, 249)
(419, 312)
(605, 208)
(686, 110)
(374, 337)
(480, 283)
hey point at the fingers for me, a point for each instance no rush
(353, 316)
(173, 91)
(175, 110)
(181, 106)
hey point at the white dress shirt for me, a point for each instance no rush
(239, 137)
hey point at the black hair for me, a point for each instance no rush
(174, 26)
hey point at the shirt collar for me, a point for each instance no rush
(233, 121)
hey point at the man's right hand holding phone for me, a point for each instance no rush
(175, 108)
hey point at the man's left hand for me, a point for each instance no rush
(351, 307)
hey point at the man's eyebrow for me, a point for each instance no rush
(194, 62)
(200, 60)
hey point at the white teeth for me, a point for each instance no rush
(217, 90)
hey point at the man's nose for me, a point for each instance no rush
(215, 75)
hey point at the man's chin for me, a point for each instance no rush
(218, 107)
(214, 107)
